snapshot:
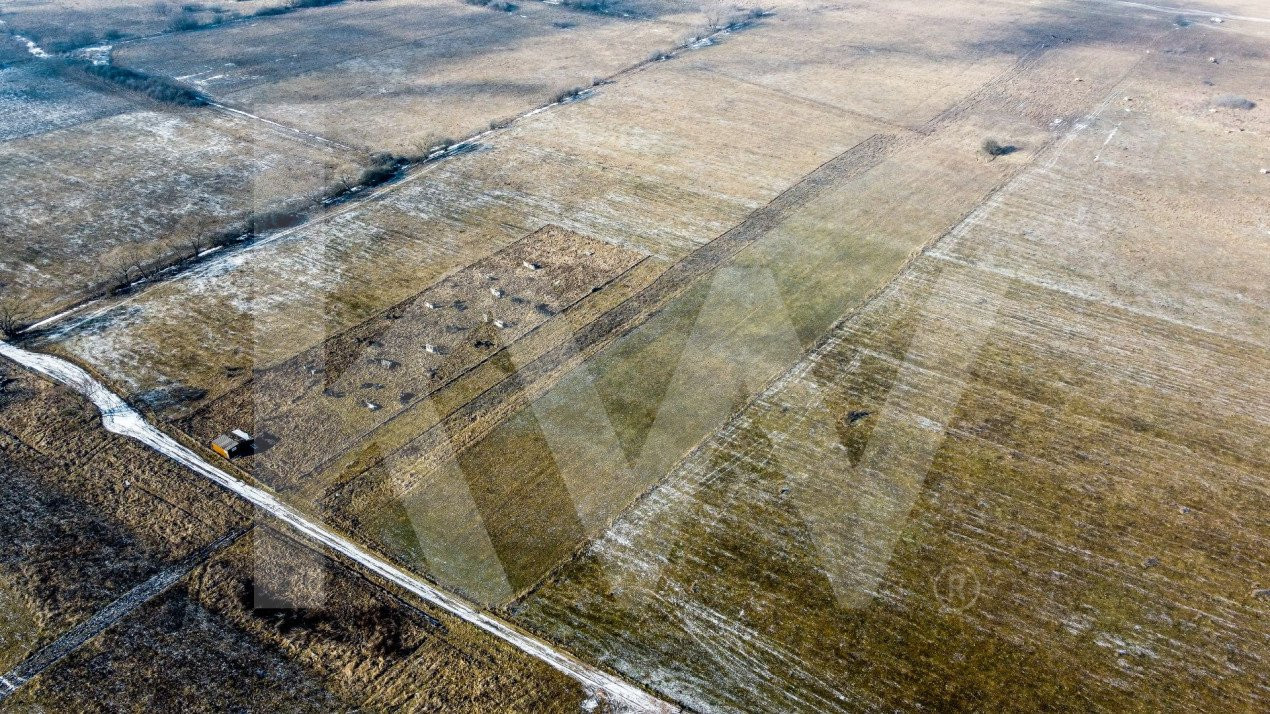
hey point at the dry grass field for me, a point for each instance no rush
(87, 515)
(324, 641)
(64, 25)
(126, 187)
(92, 519)
(642, 186)
(872, 356)
(100, 178)
(396, 75)
(326, 400)
(1061, 404)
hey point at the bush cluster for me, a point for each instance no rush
(155, 87)
(500, 5)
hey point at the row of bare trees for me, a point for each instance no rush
(135, 261)
(141, 259)
(15, 316)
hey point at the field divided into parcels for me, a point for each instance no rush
(395, 75)
(751, 374)
(630, 412)
(120, 191)
(1080, 448)
(88, 516)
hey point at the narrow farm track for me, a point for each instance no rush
(120, 418)
(73, 638)
(282, 128)
(60, 323)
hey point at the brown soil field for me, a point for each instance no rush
(63, 25)
(863, 415)
(131, 179)
(131, 185)
(264, 623)
(332, 398)
(34, 100)
(560, 469)
(645, 187)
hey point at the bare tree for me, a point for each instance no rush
(715, 14)
(120, 270)
(14, 317)
(196, 242)
(191, 232)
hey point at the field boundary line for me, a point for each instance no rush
(120, 418)
(832, 337)
(314, 214)
(103, 619)
(526, 384)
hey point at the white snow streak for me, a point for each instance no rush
(119, 418)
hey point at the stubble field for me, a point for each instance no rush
(824, 408)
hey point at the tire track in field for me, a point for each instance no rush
(119, 418)
(80, 634)
(478, 417)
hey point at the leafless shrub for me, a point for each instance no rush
(499, 5)
(119, 269)
(994, 148)
(568, 95)
(15, 317)
(193, 233)
(597, 6)
(722, 16)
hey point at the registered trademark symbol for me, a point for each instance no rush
(956, 587)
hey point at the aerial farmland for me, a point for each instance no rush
(634, 356)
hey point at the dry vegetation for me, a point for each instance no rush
(102, 167)
(65, 25)
(829, 318)
(89, 515)
(104, 195)
(317, 640)
(1043, 405)
(395, 75)
(86, 515)
(331, 398)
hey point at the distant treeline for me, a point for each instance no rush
(500, 5)
(191, 17)
(294, 5)
(156, 87)
(159, 88)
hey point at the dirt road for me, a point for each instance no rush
(118, 417)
